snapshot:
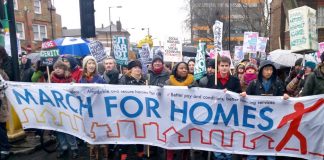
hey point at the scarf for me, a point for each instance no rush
(157, 70)
(248, 77)
(60, 79)
(266, 84)
(223, 80)
(188, 81)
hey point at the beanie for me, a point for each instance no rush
(134, 63)
(299, 62)
(60, 64)
(310, 64)
(73, 62)
(251, 65)
(86, 59)
(156, 58)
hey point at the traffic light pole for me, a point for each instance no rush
(13, 40)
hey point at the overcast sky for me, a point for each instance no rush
(163, 17)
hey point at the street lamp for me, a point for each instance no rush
(148, 30)
(110, 26)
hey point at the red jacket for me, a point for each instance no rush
(76, 74)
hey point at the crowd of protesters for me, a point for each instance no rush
(250, 77)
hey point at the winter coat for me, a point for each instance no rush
(26, 72)
(96, 79)
(4, 110)
(203, 82)
(127, 79)
(295, 86)
(7, 66)
(233, 84)
(76, 74)
(111, 77)
(39, 76)
(158, 79)
(64, 79)
(276, 86)
(314, 84)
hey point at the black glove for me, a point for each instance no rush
(191, 85)
(300, 74)
(160, 85)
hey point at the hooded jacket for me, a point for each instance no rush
(276, 86)
(314, 84)
(26, 72)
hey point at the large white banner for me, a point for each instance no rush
(175, 117)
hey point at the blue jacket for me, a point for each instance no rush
(96, 79)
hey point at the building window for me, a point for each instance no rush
(37, 6)
(320, 17)
(20, 30)
(15, 4)
(40, 32)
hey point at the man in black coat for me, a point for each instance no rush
(224, 79)
(6, 63)
(111, 74)
(26, 70)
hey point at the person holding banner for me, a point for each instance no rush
(61, 74)
(267, 84)
(314, 84)
(111, 74)
(180, 76)
(157, 73)
(224, 79)
(133, 77)
(4, 113)
(90, 75)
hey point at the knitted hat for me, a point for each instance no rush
(310, 64)
(211, 63)
(156, 58)
(86, 59)
(60, 64)
(73, 62)
(134, 63)
(251, 65)
(299, 62)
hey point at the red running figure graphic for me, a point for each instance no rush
(295, 119)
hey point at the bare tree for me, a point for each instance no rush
(243, 17)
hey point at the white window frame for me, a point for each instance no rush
(39, 33)
(21, 36)
(40, 7)
(16, 4)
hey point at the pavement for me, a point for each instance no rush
(28, 145)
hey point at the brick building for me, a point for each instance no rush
(102, 34)
(279, 30)
(36, 20)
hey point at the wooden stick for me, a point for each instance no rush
(216, 66)
(48, 74)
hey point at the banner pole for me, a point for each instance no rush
(216, 67)
(48, 74)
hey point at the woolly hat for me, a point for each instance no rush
(251, 65)
(310, 64)
(156, 58)
(86, 59)
(60, 64)
(134, 63)
(211, 63)
(73, 62)
(299, 62)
